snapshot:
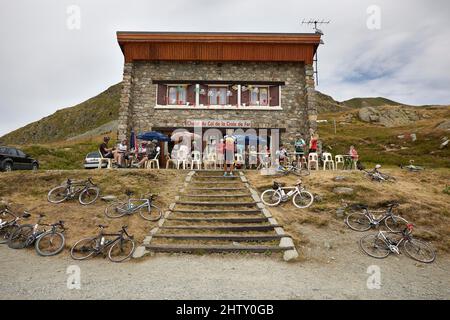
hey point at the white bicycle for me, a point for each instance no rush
(301, 198)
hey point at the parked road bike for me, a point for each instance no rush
(121, 245)
(294, 169)
(86, 191)
(301, 198)
(9, 222)
(46, 242)
(376, 175)
(381, 244)
(144, 205)
(365, 219)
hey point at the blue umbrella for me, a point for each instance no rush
(132, 140)
(248, 138)
(153, 135)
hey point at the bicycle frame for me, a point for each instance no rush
(101, 243)
(393, 247)
(373, 220)
(132, 208)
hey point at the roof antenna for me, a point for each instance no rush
(316, 22)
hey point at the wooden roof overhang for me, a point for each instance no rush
(218, 47)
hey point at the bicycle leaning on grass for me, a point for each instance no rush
(144, 205)
(46, 242)
(9, 223)
(86, 191)
(366, 219)
(292, 168)
(121, 245)
(301, 198)
(381, 244)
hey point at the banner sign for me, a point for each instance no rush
(219, 123)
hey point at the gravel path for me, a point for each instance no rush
(27, 276)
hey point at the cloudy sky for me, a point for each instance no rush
(47, 64)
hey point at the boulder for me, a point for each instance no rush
(389, 116)
(343, 190)
(444, 125)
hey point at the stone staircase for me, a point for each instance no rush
(213, 213)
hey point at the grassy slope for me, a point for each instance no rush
(371, 140)
(369, 102)
(70, 122)
(28, 191)
(421, 195)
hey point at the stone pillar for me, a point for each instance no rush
(310, 93)
(125, 111)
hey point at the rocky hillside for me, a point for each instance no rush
(70, 122)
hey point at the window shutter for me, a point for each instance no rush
(274, 95)
(233, 98)
(204, 97)
(245, 97)
(191, 94)
(162, 95)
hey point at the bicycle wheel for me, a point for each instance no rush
(374, 246)
(152, 213)
(116, 210)
(271, 197)
(302, 200)
(301, 172)
(358, 221)
(58, 194)
(6, 231)
(21, 237)
(419, 250)
(121, 250)
(89, 195)
(83, 248)
(50, 244)
(395, 223)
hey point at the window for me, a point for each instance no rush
(177, 95)
(20, 153)
(259, 96)
(218, 95)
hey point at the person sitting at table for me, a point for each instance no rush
(282, 154)
(252, 156)
(152, 149)
(104, 150)
(121, 153)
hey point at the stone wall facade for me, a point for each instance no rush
(139, 96)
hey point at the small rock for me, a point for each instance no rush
(318, 198)
(328, 245)
(340, 212)
(343, 190)
(339, 178)
(290, 255)
(109, 198)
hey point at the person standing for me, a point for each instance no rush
(229, 155)
(313, 143)
(299, 146)
(354, 155)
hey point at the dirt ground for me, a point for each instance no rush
(331, 265)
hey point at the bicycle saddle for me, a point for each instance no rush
(102, 226)
(277, 185)
(392, 204)
(359, 206)
(129, 192)
(41, 215)
(26, 215)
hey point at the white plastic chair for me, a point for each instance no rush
(339, 159)
(196, 160)
(182, 158)
(171, 160)
(239, 159)
(211, 159)
(107, 160)
(327, 160)
(313, 159)
(252, 159)
(153, 163)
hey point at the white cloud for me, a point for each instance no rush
(45, 66)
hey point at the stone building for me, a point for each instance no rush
(219, 80)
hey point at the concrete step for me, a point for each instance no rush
(215, 177)
(218, 189)
(213, 211)
(227, 220)
(239, 195)
(240, 228)
(228, 237)
(216, 203)
(214, 248)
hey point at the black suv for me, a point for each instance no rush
(15, 159)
